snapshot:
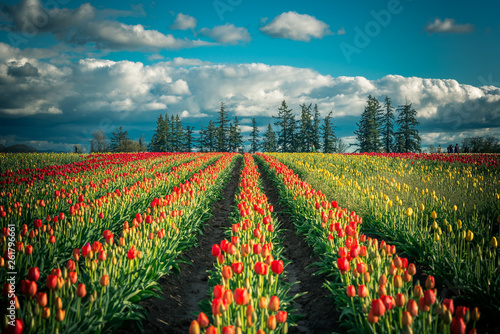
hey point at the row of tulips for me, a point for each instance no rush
(371, 284)
(49, 242)
(11, 163)
(475, 159)
(456, 235)
(248, 295)
(100, 286)
(59, 193)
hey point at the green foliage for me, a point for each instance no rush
(407, 137)
(269, 143)
(254, 141)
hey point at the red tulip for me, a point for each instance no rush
(73, 276)
(217, 306)
(281, 317)
(132, 253)
(228, 330)
(237, 267)
(407, 319)
(203, 320)
(351, 291)
(343, 265)
(81, 290)
(227, 272)
(462, 312)
(260, 268)
(429, 297)
(378, 308)
(33, 274)
(400, 300)
(16, 329)
(274, 304)
(104, 280)
(51, 282)
(362, 291)
(41, 299)
(241, 296)
(212, 330)
(218, 291)
(458, 326)
(449, 305)
(412, 307)
(277, 266)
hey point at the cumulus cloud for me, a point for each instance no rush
(87, 25)
(184, 22)
(133, 92)
(448, 26)
(297, 27)
(227, 34)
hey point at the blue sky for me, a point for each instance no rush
(69, 67)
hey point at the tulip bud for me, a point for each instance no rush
(194, 328)
(407, 319)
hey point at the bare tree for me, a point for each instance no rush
(99, 142)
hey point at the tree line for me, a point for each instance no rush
(381, 128)
(377, 131)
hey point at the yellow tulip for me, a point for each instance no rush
(459, 223)
(449, 228)
(409, 212)
(389, 203)
(436, 237)
(433, 215)
(422, 207)
(470, 236)
(434, 225)
(494, 242)
(455, 208)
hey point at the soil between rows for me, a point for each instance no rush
(183, 292)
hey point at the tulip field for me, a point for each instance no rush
(406, 243)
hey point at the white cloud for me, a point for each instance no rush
(88, 26)
(448, 26)
(341, 31)
(227, 34)
(295, 26)
(155, 56)
(184, 22)
(195, 88)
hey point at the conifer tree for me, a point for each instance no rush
(387, 129)
(120, 140)
(211, 137)
(329, 138)
(305, 129)
(368, 134)
(201, 139)
(189, 139)
(286, 123)
(407, 134)
(269, 143)
(222, 130)
(254, 135)
(316, 129)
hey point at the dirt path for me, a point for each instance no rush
(183, 293)
(320, 315)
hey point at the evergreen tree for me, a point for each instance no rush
(201, 139)
(142, 145)
(254, 135)
(329, 138)
(211, 137)
(236, 138)
(286, 123)
(269, 143)
(120, 141)
(179, 135)
(305, 129)
(387, 130)
(172, 139)
(316, 129)
(409, 139)
(222, 130)
(368, 135)
(155, 144)
(189, 139)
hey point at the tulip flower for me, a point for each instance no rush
(274, 303)
(378, 308)
(237, 267)
(449, 305)
(51, 282)
(260, 268)
(241, 296)
(203, 320)
(277, 266)
(33, 274)
(429, 297)
(194, 328)
(81, 290)
(458, 326)
(351, 291)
